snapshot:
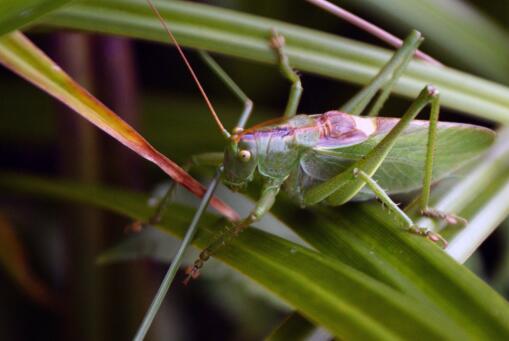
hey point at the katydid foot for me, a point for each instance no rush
(193, 272)
(394, 208)
(277, 41)
(449, 218)
(138, 225)
(430, 235)
(229, 233)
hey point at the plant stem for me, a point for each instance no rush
(177, 260)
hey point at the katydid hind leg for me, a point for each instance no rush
(424, 208)
(344, 186)
(385, 78)
(400, 215)
(277, 42)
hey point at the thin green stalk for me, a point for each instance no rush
(177, 260)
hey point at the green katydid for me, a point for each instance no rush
(334, 157)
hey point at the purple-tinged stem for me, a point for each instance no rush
(369, 27)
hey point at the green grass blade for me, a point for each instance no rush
(347, 302)
(246, 36)
(17, 13)
(455, 28)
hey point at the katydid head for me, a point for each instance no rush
(240, 160)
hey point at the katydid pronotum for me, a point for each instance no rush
(334, 157)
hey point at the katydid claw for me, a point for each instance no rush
(192, 272)
(432, 90)
(277, 41)
(435, 237)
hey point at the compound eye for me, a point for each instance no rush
(245, 155)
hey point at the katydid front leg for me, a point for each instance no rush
(277, 42)
(269, 192)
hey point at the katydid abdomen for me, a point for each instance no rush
(307, 150)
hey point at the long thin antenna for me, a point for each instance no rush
(369, 27)
(190, 68)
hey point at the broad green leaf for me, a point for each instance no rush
(17, 13)
(18, 54)
(246, 36)
(403, 261)
(344, 300)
